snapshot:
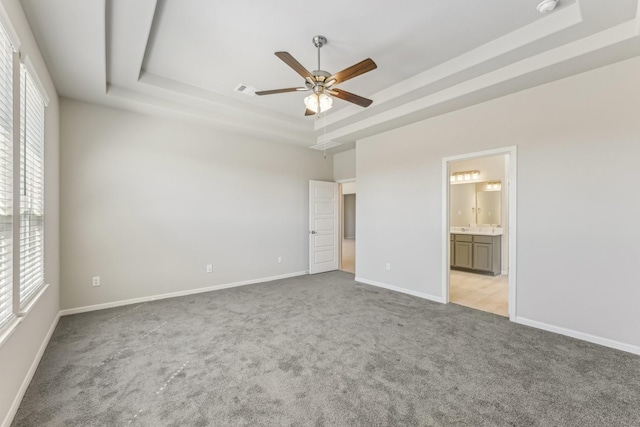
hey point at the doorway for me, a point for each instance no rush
(348, 233)
(479, 231)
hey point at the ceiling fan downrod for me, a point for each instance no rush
(319, 41)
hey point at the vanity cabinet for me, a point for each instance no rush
(463, 251)
(477, 254)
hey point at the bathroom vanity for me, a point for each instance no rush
(476, 250)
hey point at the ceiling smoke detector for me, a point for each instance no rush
(547, 6)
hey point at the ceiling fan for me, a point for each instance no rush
(323, 83)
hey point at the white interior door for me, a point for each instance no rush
(323, 227)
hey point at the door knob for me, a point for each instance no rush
(313, 232)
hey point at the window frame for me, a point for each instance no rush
(19, 309)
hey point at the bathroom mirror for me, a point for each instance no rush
(474, 203)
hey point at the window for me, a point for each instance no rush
(21, 180)
(31, 187)
(6, 178)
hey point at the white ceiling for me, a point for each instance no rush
(185, 57)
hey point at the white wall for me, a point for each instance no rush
(21, 352)
(578, 143)
(344, 165)
(147, 203)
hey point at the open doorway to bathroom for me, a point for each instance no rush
(349, 227)
(478, 232)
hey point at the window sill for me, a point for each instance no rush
(32, 301)
(8, 329)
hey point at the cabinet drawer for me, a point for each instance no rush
(483, 239)
(464, 238)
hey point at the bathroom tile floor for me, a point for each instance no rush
(481, 292)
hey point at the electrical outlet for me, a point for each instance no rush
(209, 268)
(279, 260)
(388, 266)
(95, 280)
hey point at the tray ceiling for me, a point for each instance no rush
(185, 58)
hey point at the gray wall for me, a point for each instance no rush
(578, 142)
(148, 202)
(20, 352)
(349, 216)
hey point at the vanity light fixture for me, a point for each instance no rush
(464, 176)
(494, 185)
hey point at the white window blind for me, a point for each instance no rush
(31, 187)
(6, 178)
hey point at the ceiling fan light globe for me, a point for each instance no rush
(321, 102)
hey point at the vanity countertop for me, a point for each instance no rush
(478, 231)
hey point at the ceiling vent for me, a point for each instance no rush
(246, 89)
(326, 145)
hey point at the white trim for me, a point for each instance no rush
(8, 26)
(36, 79)
(176, 294)
(512, 188)
(32, 300)
(27, 379)
(398, 289)
(629, 348)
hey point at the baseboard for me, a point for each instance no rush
(27, 380)
(579, 335)
(402, 290)
(176, 294)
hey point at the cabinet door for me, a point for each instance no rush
(452, 247)
(483, 256)
(463, 254)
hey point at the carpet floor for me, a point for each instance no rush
(322, 350)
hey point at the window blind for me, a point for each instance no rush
(31, 187)
(6, 178)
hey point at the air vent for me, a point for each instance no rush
(326, 145)
(246, 90)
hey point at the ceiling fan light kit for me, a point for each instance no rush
(322, 82)
(319, 102)
(547, 6)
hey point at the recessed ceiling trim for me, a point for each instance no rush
(628, 31)
(143, 103)
(217, 103)
(549, 25)
(127, 32)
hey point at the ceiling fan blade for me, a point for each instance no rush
(351, 97)
(291, 62)
(309, 112)
(290, 89)
(353, 71)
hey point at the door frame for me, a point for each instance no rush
(512, 215)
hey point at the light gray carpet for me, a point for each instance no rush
(322, 350)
